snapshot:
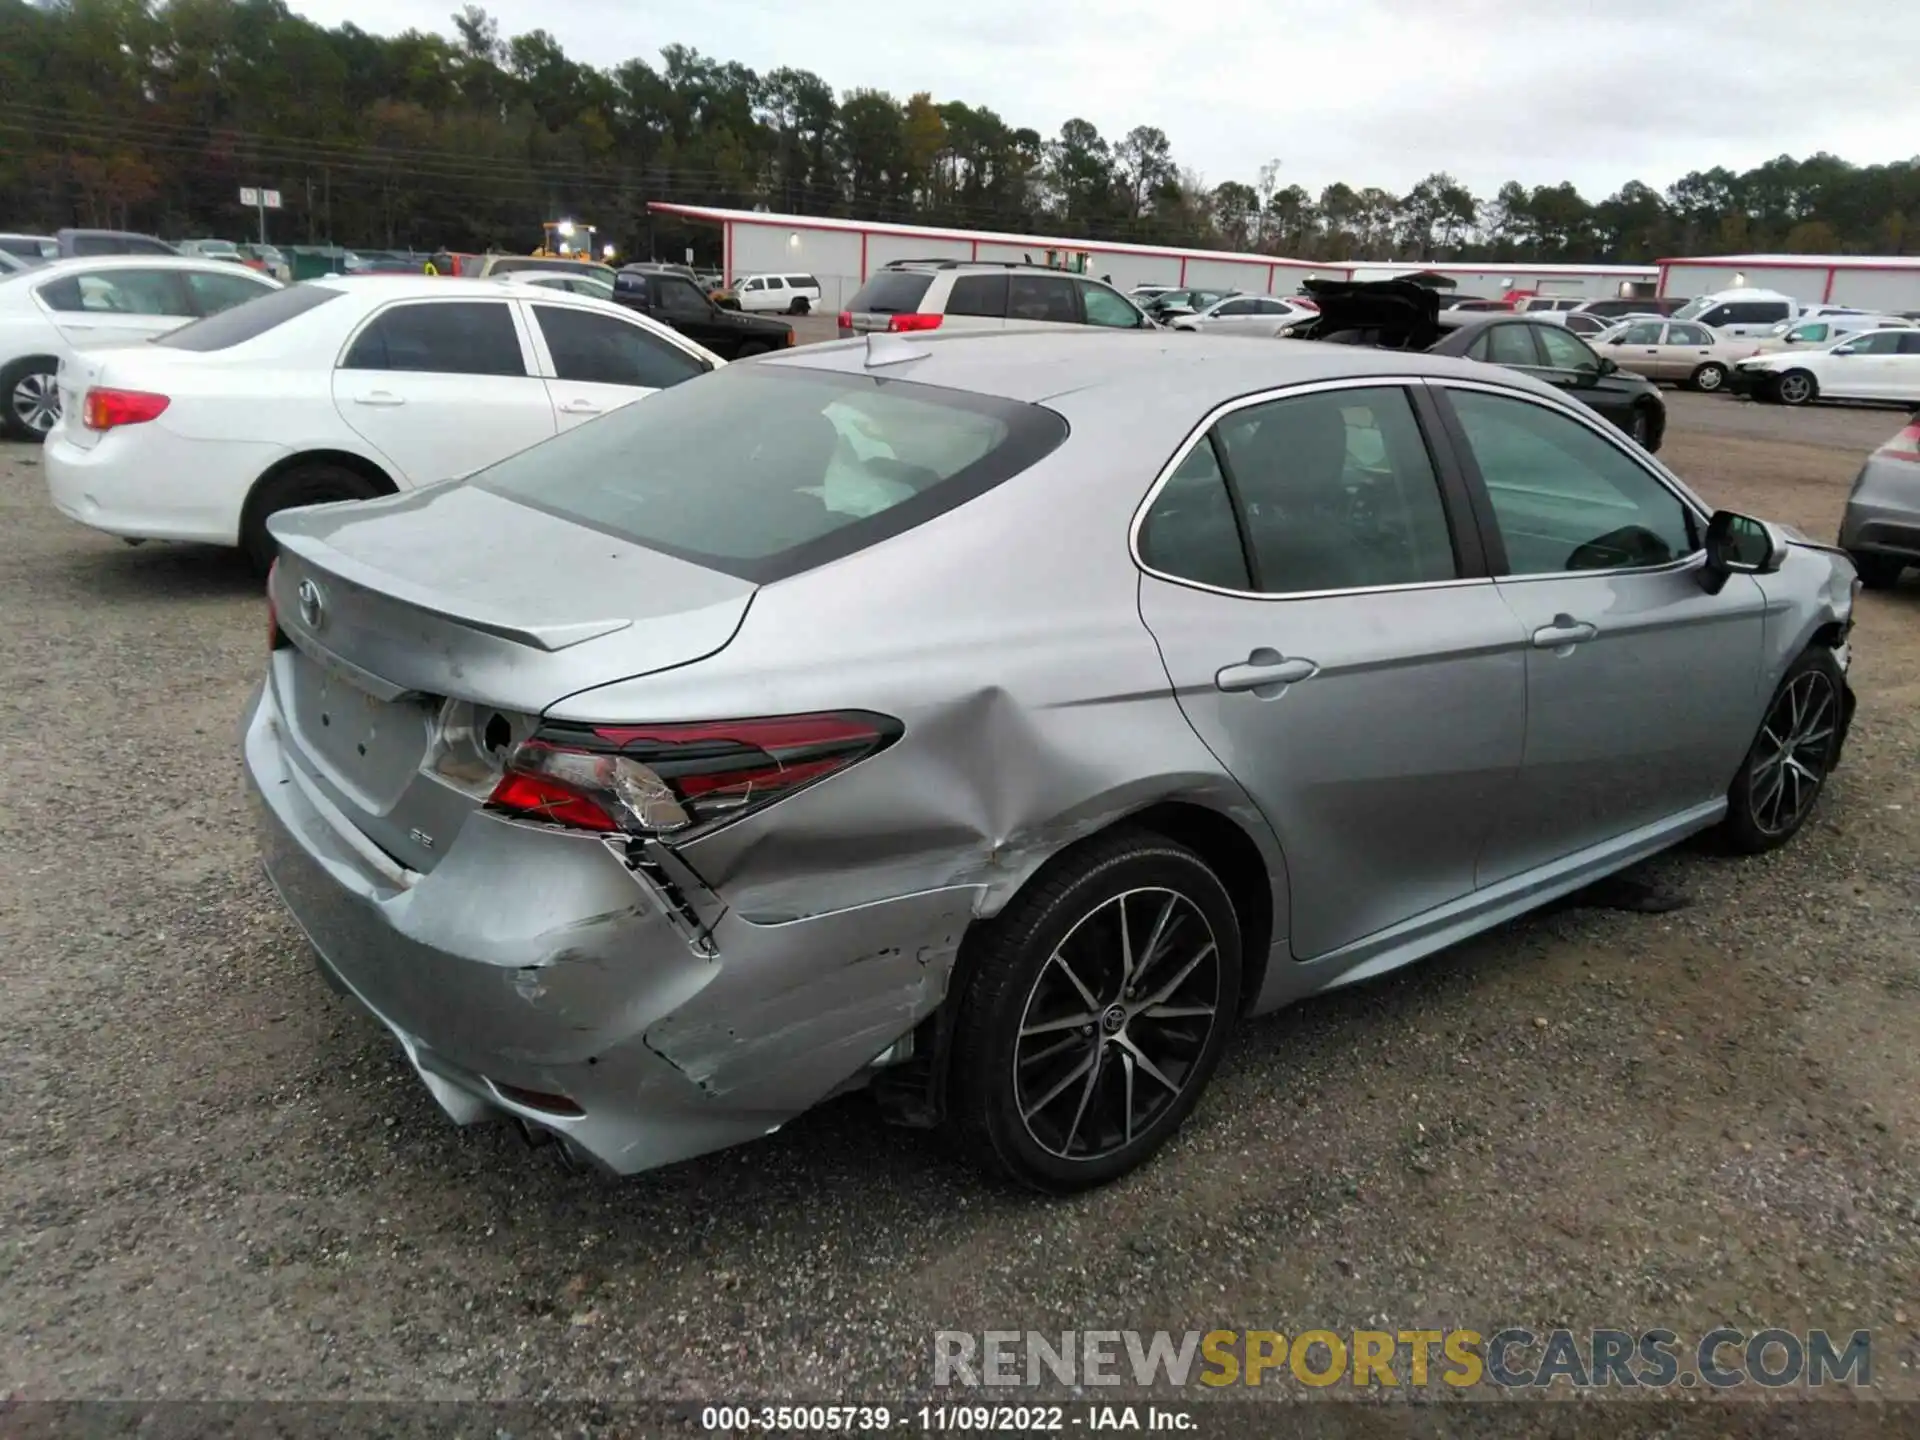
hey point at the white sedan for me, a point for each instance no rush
(1265, 315)
(65, 307)
(339, 389)
(1876, 365)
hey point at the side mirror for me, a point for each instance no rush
(1740, 545)
(1608, 367)
(1845, 350)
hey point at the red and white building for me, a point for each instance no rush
(841, 254)
(1889, 283)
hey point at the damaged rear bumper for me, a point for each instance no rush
(537, 974)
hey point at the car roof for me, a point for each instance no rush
(400, 284)
(74, 264)
(936, 263)
(1035, 365)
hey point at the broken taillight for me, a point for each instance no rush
(679, 779)
(1905, 445)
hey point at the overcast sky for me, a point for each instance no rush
(1373, 92)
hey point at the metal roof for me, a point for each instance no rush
(1809, 262)
(988, 237)
(720, 215)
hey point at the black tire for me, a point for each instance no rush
(316, 483)
(26, 387)
(1002, 1100)
(1640, 428)
(1877, 572)
(1796, 387)
(1710, 378)
(800, 306)
(1787, 766)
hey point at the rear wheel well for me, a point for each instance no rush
(1231, 854)
(285, 474)
(345, 459)
(914, 1093)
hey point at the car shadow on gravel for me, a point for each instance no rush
(163, 571)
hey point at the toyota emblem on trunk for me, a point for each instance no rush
(313, 605)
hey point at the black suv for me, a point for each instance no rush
(1395, 315)
(665, 293)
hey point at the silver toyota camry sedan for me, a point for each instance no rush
(997, 720)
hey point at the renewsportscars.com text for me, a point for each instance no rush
(1510, 1359)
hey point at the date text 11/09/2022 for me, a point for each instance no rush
(977, 1419)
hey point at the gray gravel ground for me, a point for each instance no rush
(217, 1181)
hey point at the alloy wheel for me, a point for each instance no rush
(1795, 389)
(1639, 428)
(1795, 749)
(1116, 1023)
(36, 401)
(1710, 378)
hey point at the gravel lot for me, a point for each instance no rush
(217, 1181)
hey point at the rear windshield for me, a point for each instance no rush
(891, 292)
(248, 319)
(763, 472)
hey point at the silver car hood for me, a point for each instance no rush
(432, 593)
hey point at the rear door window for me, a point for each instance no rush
(119, 292)
(891, 292)
(1190, 532)
(1337, 492)
(984, 295)
(1041, 297)
(243, 322)
(761, 472)
(601, 350)
(457, 337)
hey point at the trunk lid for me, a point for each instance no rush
(430, 630)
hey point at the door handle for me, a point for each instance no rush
(1265, 672)
(581, 407)
(1565, 630)
(379, 398)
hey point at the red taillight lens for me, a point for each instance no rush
(680, 779)
(1905, 445)
(845, 319)
(104, 409)
(903, 324)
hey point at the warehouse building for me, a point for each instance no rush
(1889, 283)
(840, 254)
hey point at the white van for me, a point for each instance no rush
(1740, 312)
(791, 294)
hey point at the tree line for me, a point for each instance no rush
(151, 116)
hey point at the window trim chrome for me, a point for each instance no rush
(1604, 429)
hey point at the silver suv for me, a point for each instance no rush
(911, 295)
